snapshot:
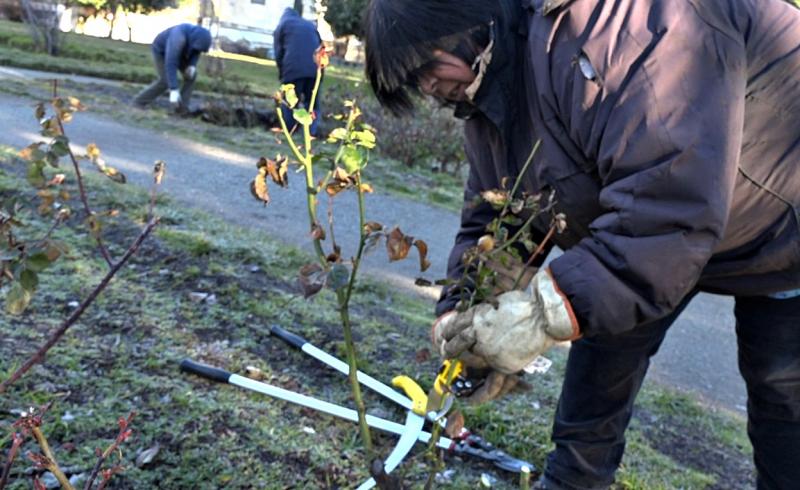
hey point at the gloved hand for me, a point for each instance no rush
(175, 97)
(190, 72)
(524, 325)
(492, 384)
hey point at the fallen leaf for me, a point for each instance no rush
(253, 372)
(422, 282)
(147, 456)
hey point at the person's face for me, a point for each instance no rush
(448, 78)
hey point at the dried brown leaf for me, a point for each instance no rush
(372, 226)
(495, 197)
(159, 169)
(422, 247)
(455, 424)
(312, 279)
(398, 244)
(317, 232)
(258, 187)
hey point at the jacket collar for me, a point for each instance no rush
(496, 97)
(544, 7)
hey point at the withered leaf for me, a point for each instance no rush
(422, 282)
(278, 169)
(92, 151)
(159, 169)
(111, 172)
(317, 232)
(495, 197)
(560, 222)
(312, 279)
(455, 424)
(340, 181)
(258, 187)
(422, 247)
(372, 226)
(32, 152)
(372, 241)
(398, 244)
(40, 112)
(339, 277)
(367, 189)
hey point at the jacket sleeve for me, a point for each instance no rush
(278, 45)
(176, 43)
(667, 157)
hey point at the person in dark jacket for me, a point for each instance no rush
(176, 49)
(295, 41)
(668, 132)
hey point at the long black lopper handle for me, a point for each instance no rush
(205, 371)
(292, 339)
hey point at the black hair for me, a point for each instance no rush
(401, 35)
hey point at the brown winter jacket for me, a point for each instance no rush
(670, 133)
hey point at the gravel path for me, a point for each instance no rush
(699, 354)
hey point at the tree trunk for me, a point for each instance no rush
(298, 6)
(42, 20)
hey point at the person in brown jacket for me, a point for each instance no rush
(669, 133)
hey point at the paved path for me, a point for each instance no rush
(698, 355)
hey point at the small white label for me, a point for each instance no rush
(540, 365)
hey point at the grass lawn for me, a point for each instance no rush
(119, 60)
(123, 356)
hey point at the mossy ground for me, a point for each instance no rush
(123, 356)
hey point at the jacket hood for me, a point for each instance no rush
(289, 12)
(200, 39)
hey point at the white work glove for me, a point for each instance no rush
(190, 72)
(524, 325)
(492, 383)
(175, 97)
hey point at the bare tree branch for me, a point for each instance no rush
(39, 356)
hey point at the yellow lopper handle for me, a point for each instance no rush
(419, 399)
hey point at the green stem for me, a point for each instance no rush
(436, 431)
(342, 295)
(350, 347)
(518, 180)
(362, 221)
(292, 145)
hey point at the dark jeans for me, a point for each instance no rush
(604, 375)
(303, 87)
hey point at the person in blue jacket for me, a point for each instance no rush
(295, 41)
(176, 49)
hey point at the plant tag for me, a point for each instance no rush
(540, 365)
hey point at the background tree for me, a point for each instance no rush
(42, 19)
(345, 16)
(127, 6)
